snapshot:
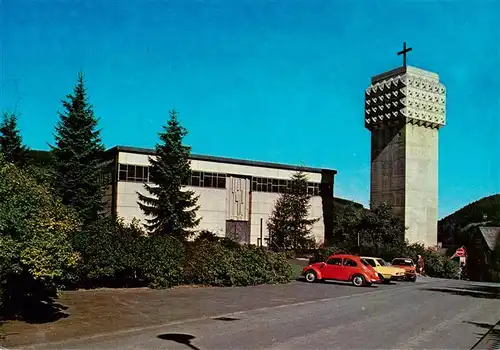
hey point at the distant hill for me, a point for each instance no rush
(342, 203)
(486, 209)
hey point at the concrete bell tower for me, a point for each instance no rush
(404, 110)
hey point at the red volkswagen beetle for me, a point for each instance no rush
(342, 267)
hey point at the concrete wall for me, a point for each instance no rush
(421, 184)
(404, 109)
(387, 178)
(404, 174)
(215, 203)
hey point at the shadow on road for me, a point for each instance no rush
(223, 318)
(492, 332)
(180, 338)
(475, 291)
(348, 284)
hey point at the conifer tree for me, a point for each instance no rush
(170, 208)
(289, 225)
(11, 143)
(77, 154)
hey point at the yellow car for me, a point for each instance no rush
(385, 270)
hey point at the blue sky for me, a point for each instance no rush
(278, 81)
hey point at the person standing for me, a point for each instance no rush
(421, 265)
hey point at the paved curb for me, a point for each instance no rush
(489, 340)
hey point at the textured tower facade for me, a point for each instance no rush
(404, 109)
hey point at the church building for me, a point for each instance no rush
(236, 196)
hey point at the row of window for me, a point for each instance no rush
(133, 173)
(264, 184)
(206, 179)
(138, 173)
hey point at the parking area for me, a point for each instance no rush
(426, 314)
(89, 312)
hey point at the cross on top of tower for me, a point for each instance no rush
(404, 52)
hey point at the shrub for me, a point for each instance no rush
(216, 264)
(206, 235)
(451, 268)
(119, 255)
(35, 247)
(159, 261)
(107, 256)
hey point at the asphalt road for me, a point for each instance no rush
(430, 314)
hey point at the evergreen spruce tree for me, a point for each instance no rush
(77, 154)
(289, 225)
(11, 144)
(171, 209)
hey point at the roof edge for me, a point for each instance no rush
(236, 161)
(403, 70)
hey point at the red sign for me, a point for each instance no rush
(460, 252)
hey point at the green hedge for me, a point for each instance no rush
(117, 255)
(217, 264)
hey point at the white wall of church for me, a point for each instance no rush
(213, 202)
(318, 230)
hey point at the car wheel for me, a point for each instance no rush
(311, 276)
(413, 279)
(386, 281)
(358, 280)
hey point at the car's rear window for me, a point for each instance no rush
(371, 262)
(349, 262)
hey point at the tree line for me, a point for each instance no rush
(55, 233)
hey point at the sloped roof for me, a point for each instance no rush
(490, 235)
(474, 224)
